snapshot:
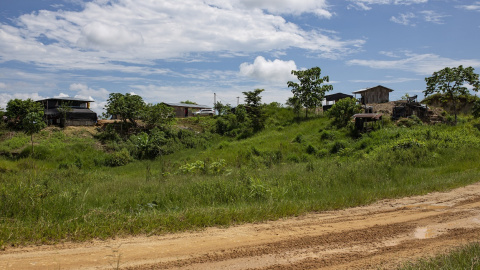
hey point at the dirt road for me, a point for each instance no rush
(380, 235)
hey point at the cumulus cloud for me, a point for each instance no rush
(83, 91)
(130, 36)
(366, 4)
(423, 64)
(276, 71)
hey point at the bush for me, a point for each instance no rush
(120, 158)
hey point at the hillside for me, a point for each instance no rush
(70, 190)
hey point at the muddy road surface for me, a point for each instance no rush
(377, 236)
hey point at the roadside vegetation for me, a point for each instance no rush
(466, 257)
(153, 175)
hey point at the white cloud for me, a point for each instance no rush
(424, 64)
(386, 81)
(474, 7)
(365, 4)
(83, 91)
(98, 35)
(404, 19)
(129, 36)
(276, 71)
(61, 95)
(3, 85)
(318, 7)
(5, 97)
(433, 17)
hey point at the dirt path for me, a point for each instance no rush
(380, 235)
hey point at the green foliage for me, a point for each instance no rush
(343, 111)
(189, 102)
(295, 104)
(465, 257)
(64, 109)
(67, 192)
(18, 109)
(158, 115)
(222, 109)
(128, 107)
(450, 82)
(32, 123)
(118, 158)
(255, 108)
(309, 92)
(476, 109)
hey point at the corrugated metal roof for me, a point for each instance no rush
(187, 105)
(68, 99)
(366, 89)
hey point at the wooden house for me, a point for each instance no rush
(377, 94)
(68, 111)
(183, 110)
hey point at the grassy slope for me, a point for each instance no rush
(65, 195)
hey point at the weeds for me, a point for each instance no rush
(76, 191)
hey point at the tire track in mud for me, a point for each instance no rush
(380, 235)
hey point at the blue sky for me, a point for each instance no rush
(174, 50)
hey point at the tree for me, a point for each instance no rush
(32, 123)
(189, 102)
(295, 104)
(17, 110)
(128, 107)
(64, 109)
(343, 110)
(158, 115)
(310, 90)
(450, 83)
(255, 108)
(222, 109)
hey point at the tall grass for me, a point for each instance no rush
(300, 168)
(466, 257)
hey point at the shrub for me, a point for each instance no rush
(120, 158)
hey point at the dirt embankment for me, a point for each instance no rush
(382, 235)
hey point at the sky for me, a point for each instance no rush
(178, 50)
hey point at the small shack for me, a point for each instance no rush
(334, 98)
(377, 94)
(68, 111)
(183, 110)
(362, 120)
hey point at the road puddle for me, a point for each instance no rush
(424, 233)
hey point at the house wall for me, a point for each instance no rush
(376, 95)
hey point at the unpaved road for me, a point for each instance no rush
(381, 235)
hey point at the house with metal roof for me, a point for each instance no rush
(183, 110)
(377, 94)
(66, 111)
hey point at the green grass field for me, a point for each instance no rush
(66, 193)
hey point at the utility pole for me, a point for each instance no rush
(214, 99)
(238, 101)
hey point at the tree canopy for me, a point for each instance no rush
(343, 110)
(310, 91)
(450, 82)
(17, 110)
(128, 107)
(255, 108)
